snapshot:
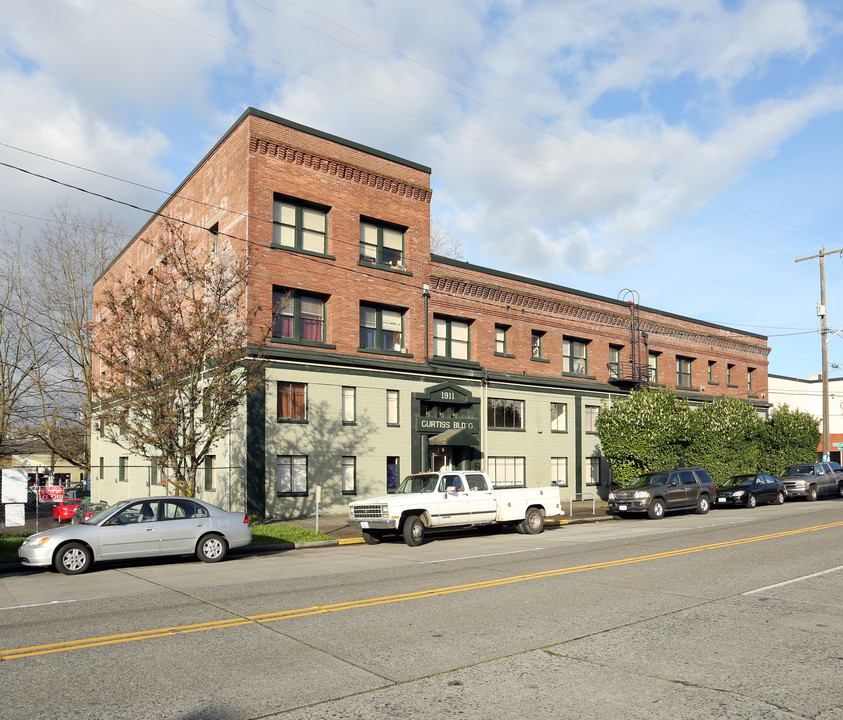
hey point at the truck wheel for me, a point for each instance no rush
(656, 509)
(840, 489)
(812, 493)
(372, 537)
(703, 505)
(533, 522)
(413, 531)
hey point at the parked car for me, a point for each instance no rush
(811, 480)
(64, 511)
(142, 527)
(657, 492)
(749, 490)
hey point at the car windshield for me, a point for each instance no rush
(799, 470)
(418, 484)
(99, 510)
(650, 479)
(741, 480)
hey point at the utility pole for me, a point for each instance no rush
(821, 311)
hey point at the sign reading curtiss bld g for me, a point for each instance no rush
(443, 424)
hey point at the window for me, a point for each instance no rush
(615, 361)
(297, 316)
(102, 468)
(593, 477)
(214, 231)
(381, 244)
(536, 345)
(392, 473)
(450, 338)
(749, 380)
(506, 471)
(121, 469)
(558, 417)
(575, 357)
(154, 477)
(291, 475)
(590, 413)
(653, 367)
(392, 407)
(298, 226)
(209, 473)
(711, 373)
(292, 401)
(559, 471)
(500, 339)
(349, 405)
(729, 375)
(381, 328)
(349, 475)
(505, 414)
(182, 510)
(684, 374)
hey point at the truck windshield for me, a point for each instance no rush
(418, 484)
(799, 470)
(650, 479)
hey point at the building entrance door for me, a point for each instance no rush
(441, 460)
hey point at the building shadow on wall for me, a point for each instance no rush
(325, 440)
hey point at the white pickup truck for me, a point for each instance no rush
(452, 499)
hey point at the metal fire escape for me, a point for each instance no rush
(633, 372)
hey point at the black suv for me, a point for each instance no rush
(655, 493)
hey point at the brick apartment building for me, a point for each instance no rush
(385, 359)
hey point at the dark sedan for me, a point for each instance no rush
(750, 490)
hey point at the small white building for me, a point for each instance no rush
(807, 395)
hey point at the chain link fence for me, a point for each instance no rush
(50, 498)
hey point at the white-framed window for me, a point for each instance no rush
(558, 417)
(574, 356)
(684, 372)
(536, 342)
(450, 338)
(299, 226)
(615, 361)
(500, 339)
(505, 414)
(349, 405)
(392, 415)
(291, 475)
(559, 471)
(506, 471)
(349, 475)
(653, 367)
(589, 420)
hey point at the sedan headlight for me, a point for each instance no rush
(33, 540)
(641, 494)
(739, 493)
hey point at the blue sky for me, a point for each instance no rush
(689, 150)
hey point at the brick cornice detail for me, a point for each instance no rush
(344, 170)
(503, 296)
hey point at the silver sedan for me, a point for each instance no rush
(143, 527)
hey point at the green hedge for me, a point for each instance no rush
(654, 429)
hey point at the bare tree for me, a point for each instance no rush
(443, 243)
(173, 342)
(57, 274)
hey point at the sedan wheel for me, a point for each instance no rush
(780, 498)
(211, 548)
(72, 559)
(751, 501)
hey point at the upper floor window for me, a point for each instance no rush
(615, 361)
(684, 372)
(292, 401)
(450, 338)
(500, 339)
(381, 244)
(381, 328)
(299, 226)
(536, 342)
(298, 316)
(749, 380)
(730, 379)
(575, 356)
(653, 367)
(505, 414)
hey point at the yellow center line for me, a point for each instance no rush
(16, 653)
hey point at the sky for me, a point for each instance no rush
(687, 150)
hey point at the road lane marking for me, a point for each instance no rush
(795, 580)
(52, 602)
(475, 557)
(17, 653)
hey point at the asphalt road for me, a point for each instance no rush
(735, 614)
